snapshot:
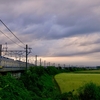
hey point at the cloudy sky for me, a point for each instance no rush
(59, 31)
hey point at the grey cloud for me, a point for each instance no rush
(50, 19)
(82, 53)
(70, 20)
(90, 43)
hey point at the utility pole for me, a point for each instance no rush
(13, 53)
(0, 49)
(44, 63)
(48, 64)
(64, 65)
(0, 52)
(17, 52)
(26, 55)
(27, 52)
(58, 65)
(53, 64)
(36, 60)
(40, 61)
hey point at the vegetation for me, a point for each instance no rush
(41, 84)
(72, 81)
(38, 83)
(11, 89)
(89, 91)
(89, 71)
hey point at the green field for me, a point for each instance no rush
(89, 71)
(72, 81)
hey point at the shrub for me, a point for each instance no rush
(12, 89)
(89, 91)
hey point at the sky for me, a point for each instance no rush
(58, 31)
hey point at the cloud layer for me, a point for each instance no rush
(53, 28)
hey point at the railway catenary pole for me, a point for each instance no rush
(28, 50)
(49, 64)
(0, 49)
(0, 52)
(44, 63)
(40, 62)
(26, 55)
(36, 60)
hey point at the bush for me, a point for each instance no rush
(89, 91)
(12, 89)
(40, 82)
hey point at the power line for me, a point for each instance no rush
(15, 42)
(11, 31)
(10, 39)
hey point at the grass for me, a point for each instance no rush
(72, 81)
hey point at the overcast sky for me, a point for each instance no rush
(62, 31)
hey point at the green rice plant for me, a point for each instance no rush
(72, 81)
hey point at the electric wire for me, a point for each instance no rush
(11, 39)
(11, 31)
(12, 34)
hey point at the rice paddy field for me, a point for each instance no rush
(72, 81)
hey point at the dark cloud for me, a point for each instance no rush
(82, 53)
(51, 20)
(97, 42)
(48, 20)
